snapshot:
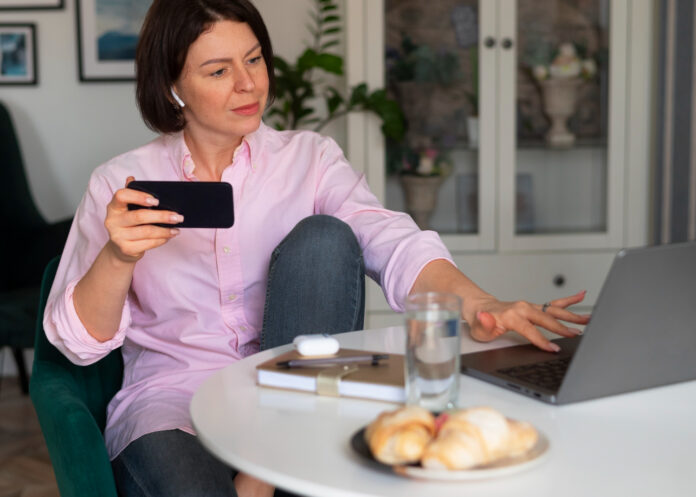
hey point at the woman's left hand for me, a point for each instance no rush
(492, 318)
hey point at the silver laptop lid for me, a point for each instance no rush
(643, 328)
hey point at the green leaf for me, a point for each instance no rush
(307, 60)
(358, 95)
(329, 8)
(330, 63)
(333, 100)
(280, 63)
(331, 18)
(330, 44)
(305, 111)
(332, 31)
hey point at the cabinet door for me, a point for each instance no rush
(436, 69)
(562, 119)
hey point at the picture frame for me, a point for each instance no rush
(18, 61)
(31, 4)
(107, 35)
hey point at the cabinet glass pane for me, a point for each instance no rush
(432, 70)
(561, 116)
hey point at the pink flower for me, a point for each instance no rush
(430, 153)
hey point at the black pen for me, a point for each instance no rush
(304, 363)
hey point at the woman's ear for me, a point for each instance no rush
(177, 98)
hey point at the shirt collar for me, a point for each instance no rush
(181, 156)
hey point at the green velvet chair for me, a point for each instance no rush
(71, 405)
(28, 243)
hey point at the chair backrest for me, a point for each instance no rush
(97, 383)
(70, 403)
(17, 208)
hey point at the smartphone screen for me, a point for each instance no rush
(204, 204)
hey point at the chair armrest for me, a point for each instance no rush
(75, 443)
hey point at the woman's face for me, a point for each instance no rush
(224, 82)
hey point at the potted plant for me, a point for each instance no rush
(417, 74)
(421, 172)
(299, 86)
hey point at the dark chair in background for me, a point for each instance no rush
(28, 243)
(70, 402)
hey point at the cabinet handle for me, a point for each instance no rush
(489, 42)
(507, 43)
(559, 280)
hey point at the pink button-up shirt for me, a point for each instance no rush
(196, 303)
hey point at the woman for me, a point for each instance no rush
(184, 303)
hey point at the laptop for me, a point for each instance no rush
(642, 334)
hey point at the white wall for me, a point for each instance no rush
(67, 128)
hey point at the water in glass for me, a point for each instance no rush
(432, 357)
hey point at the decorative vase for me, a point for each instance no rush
(560, 97)
(420, 195)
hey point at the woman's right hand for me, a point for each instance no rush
(132, 232)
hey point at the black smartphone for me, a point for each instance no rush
(204, 204)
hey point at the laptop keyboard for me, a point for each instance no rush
(547, 374)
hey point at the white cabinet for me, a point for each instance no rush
(536, 205)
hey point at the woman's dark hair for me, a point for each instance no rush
(169, 29)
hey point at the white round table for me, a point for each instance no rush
(637, 444)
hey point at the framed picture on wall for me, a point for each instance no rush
(107, 34)
(18, 54)
(31, 4)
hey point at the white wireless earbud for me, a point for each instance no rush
(178, 99)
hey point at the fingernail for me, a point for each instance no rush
(174, 231)
(576, 331)
(553, 347)
(177, 218)
(151, 201)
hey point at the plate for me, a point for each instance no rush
(502, 467)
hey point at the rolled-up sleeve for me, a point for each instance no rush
(87, 237)
(395, 250)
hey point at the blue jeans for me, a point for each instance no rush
(316, 284)
(171, 463)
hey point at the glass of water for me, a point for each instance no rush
(433, 344)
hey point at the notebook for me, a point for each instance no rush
(642, 334)
(384, 381)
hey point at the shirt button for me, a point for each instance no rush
(242, 328)
(226, 250)
(232, 297)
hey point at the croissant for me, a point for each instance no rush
(400, 436)
(477, 436)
